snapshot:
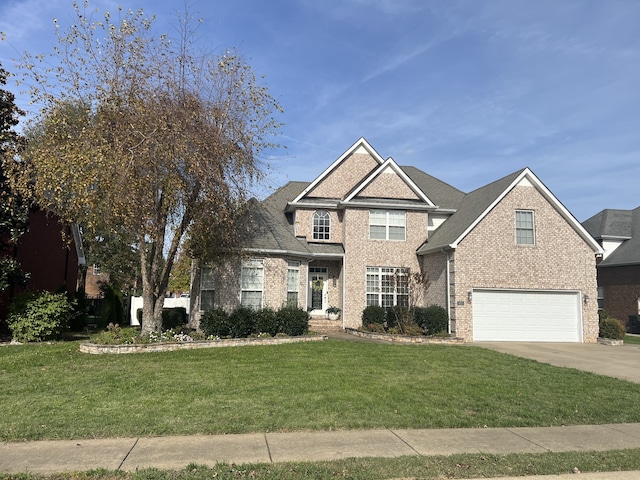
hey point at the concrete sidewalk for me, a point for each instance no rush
(176, 452)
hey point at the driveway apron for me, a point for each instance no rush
(613, 361)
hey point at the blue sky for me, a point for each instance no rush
(468, 91)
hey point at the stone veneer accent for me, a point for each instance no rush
(169, 347)
(488, 257)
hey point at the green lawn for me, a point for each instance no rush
(53, 391)
(634, 339)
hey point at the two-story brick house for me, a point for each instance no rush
(507, 261)
(618, 232)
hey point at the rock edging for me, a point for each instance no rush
(388, 337)
(97, 349)
(610, 341)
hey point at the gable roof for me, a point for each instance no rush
(361, 143)
(476, 205)
(620, 225)
(441, 193)
(388, 164)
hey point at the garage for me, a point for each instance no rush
(526, 316)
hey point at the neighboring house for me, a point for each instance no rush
(94, 277)
(50, 260)
(507, 261)
(618, 232)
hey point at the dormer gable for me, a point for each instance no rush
(388, 182)
(343, 175)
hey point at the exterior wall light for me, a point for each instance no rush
(469, 296)
(586, 299)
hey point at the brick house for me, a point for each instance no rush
(51, 261)
(618, 232)
(508, 261)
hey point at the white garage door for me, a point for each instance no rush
(526, 316)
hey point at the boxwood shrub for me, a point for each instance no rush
(215, 323)
(373, 314)
(295, 321)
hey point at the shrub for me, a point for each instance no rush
(612, 328)
(112, 309)
(39, 317)
(373, 314)
(215, 323)
(78, 320)
(173, 317)
(374, 327)
(294, 321)
(267, 321)
(242, 322)
(436, 320)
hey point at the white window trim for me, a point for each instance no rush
(324, 216)
(293, 267)
(387, 224)
(207, 286)
(258, 265)
(532, 229)
(377, 290)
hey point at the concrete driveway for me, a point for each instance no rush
(614, 361)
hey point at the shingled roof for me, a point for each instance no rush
(472, 206)
(617, 224)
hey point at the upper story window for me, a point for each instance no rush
(525, 234)
(321, 225)
(387, 225)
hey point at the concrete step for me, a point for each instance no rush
(323, 325)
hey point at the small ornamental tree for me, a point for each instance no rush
(145, 138)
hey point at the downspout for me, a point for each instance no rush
(448, 275)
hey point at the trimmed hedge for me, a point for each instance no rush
(173, 317)
(373, 314)
(244, 322)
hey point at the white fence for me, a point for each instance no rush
(136, 303)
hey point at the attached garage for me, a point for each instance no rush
(526, 316)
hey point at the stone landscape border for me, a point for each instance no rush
(96, 349)
(388, 337)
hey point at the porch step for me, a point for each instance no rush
(322, 325)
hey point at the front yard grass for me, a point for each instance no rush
(53, 391)
(632, 339)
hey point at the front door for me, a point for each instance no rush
(318, 290)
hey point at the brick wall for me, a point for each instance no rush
(489, 258)
(345, 176)
(388, 185)
(621, 288)
(360, 253)
(304, 225)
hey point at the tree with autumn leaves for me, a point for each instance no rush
(140, 137)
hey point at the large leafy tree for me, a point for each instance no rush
(13, 210)
(142, 135)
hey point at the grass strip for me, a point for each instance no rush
(51, 391)
(413, 467)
